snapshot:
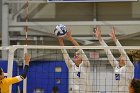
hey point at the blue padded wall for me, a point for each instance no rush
(42, 76)
(3, 64)
(20, 68)
(137, 70)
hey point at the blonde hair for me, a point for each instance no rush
(135, 54)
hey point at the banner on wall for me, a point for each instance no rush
(94, 55)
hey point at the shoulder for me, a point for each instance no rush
(12, 79)
(7, 80)
(4, 80)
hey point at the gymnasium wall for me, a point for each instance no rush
(100, 11)
(44, 75)
(137, 70)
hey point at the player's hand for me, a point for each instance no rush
(68, 35)
(112, 34)
(27, 58)
(60, 39)
(98, 32)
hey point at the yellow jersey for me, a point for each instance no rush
(6, 82)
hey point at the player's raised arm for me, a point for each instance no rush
(60, 31)
(113, 36)
(27, 60)
(124, 55)
(65, 53)
(109, 54)
(70, 38)
(84, 57)
(25, 71)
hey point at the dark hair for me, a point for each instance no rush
(131, 57)
(135, 84)
(55, 89)
(0, 71)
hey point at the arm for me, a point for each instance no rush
(24, 74)
(127, 61)
(70, 38)
(84, 57)
(68, 60)
(27, 60)
(112, 34)
(108, 52)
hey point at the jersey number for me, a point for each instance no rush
(78, 74)
(117, 76)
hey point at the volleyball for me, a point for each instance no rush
(60, 30)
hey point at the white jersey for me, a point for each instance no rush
(79, 77)
(122, 75)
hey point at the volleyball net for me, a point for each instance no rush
(49, 72)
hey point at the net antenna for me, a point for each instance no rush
(27, 3)
(26, 42)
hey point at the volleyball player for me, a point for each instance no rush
(123, 69)
(6, 82)
(135, 56)
(79, 68)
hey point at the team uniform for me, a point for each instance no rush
(6, 82)
(79, 77)
(122, 75)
